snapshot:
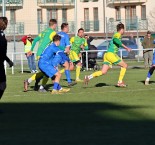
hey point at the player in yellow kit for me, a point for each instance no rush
(111, 57)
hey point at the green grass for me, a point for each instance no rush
(100, 114)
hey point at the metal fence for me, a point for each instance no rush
(22, 59)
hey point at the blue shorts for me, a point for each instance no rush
(153, 61)
(47, 69)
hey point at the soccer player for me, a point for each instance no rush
(65, 46)
(78, 43)
(150, 71)
(111, 57)
(49, 61)
(44, 38)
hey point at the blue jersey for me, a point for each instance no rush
(49, 52)
(153, 61)
(64, 42)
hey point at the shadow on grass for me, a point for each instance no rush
(150, 82)
(102, 85)
(74, 124)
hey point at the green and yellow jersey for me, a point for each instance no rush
(44, 39)
(76, 42)
(115, 43)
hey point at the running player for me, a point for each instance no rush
(49, 61)
(111, 57)
(44, 38)
(65, 46)
(150, 71)
(78, 43)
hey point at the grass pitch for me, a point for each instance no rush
(100, 114)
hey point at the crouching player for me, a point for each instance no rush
(151, 70)
(49, 61)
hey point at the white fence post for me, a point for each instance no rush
(5, 66)
(121, 55)
(86, 60)
(21, 57)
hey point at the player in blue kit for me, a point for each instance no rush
(49, 61)
(151, 70)
(65, 46)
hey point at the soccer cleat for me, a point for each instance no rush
(78, 80)
(55, 92)
(86, 80)
(64, 90)
(36, 71)
(33, 72)
(42, 90)
(146, 83)
(121, 85)
(26, 84)
(72, 84)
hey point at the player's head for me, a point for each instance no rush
(120, 28)
(81, 32)
(29, 37)
(148, 34)
(3, 23)
(86, 36)
(53, 23)
(65, 27)
(56, 39)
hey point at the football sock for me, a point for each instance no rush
(55, 86)
(59, 87)
(122, 74)
(62, 71)
(68, 76)
(45, 80)
(36, 76)
(150, 72)
(78, 68)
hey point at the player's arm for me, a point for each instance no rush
(72, 40)
(86, 45)
(67, 44)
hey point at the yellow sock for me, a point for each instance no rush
(78, 68)
(37, 76)
(62, 71)
(97, 74)
(44, 81)
(122, 74)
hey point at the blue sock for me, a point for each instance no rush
(55, 86)
(59, 87)
(68, 76)
(150, 72)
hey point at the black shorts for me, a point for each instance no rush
(2, 73)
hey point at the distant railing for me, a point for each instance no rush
(130, 24)
(126, 1)
(17, 28)
(13, 1)
(71, 24)
(90, 25)
(56, 1)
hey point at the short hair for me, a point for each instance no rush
(3, 23)
(63, 25)
(148, 32)
(56, 38)
(120, 26)
(52, 22)
(81, 29)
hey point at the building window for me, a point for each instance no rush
(96, 19)
(86, 20)
(39, 15)
(130, 12)
(118, 13)
(64, 15)
(52, 14)
(12, 16)
(143, 12)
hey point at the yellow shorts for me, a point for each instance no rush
(73, 56)
(111, 58)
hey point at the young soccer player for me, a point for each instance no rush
(111, 57)
(49, 61)
(78, 43)
(44, 38)
(150, 71)
(65, 46)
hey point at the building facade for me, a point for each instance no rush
(97, 17)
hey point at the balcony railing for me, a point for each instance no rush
(13, 3)
(118, 2)
(56, 2)
(17, 29)
(71, 24)
(90, 25)
(130, 24)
